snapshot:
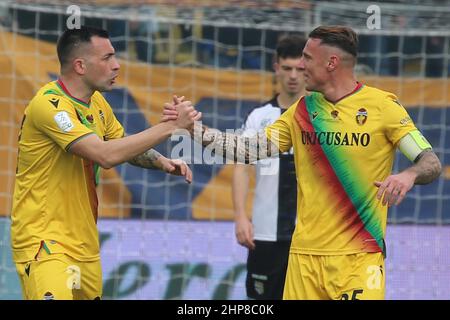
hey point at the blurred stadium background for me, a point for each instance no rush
(163, 239)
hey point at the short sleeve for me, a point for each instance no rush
(396, 120)
(280, 131)
(56, 117)
(113, 128)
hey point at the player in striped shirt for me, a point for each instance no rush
(268, 234)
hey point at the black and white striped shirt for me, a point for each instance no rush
(275, 201)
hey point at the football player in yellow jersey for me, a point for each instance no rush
(68, 132)
(344, 137)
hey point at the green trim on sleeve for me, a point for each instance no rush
(78, 139)
(52, 91)
(44, 245)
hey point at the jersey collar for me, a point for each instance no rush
(275, 104)
(61, 85)
(358, 87)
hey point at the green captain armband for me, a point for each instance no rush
(413, 144)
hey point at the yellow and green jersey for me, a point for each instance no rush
(55, 201)
(340, 150)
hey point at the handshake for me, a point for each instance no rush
(182, 113)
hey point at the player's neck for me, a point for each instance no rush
(285, 100)
(339, 88)
(76, 88)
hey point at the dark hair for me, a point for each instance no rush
(72, 38)
(337, 36)
(290, 46)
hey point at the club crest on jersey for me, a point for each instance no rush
(334, 114)
(361, 116)
(90, 118)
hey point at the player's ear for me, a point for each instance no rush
(332, 62)
(276, 66)
(79, 66)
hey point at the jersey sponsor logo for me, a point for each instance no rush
(361, 116)
(63, 121)
(336, 138)
(405, 121)
(314, 115)
(54, 102)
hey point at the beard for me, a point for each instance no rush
(104, 87)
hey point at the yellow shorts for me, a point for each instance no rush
(345, 277)
(57, 276)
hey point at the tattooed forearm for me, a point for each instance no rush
(239, 149)
(146, 160)
(427, 167)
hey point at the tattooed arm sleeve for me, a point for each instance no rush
(234, 147)
(147, 160)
